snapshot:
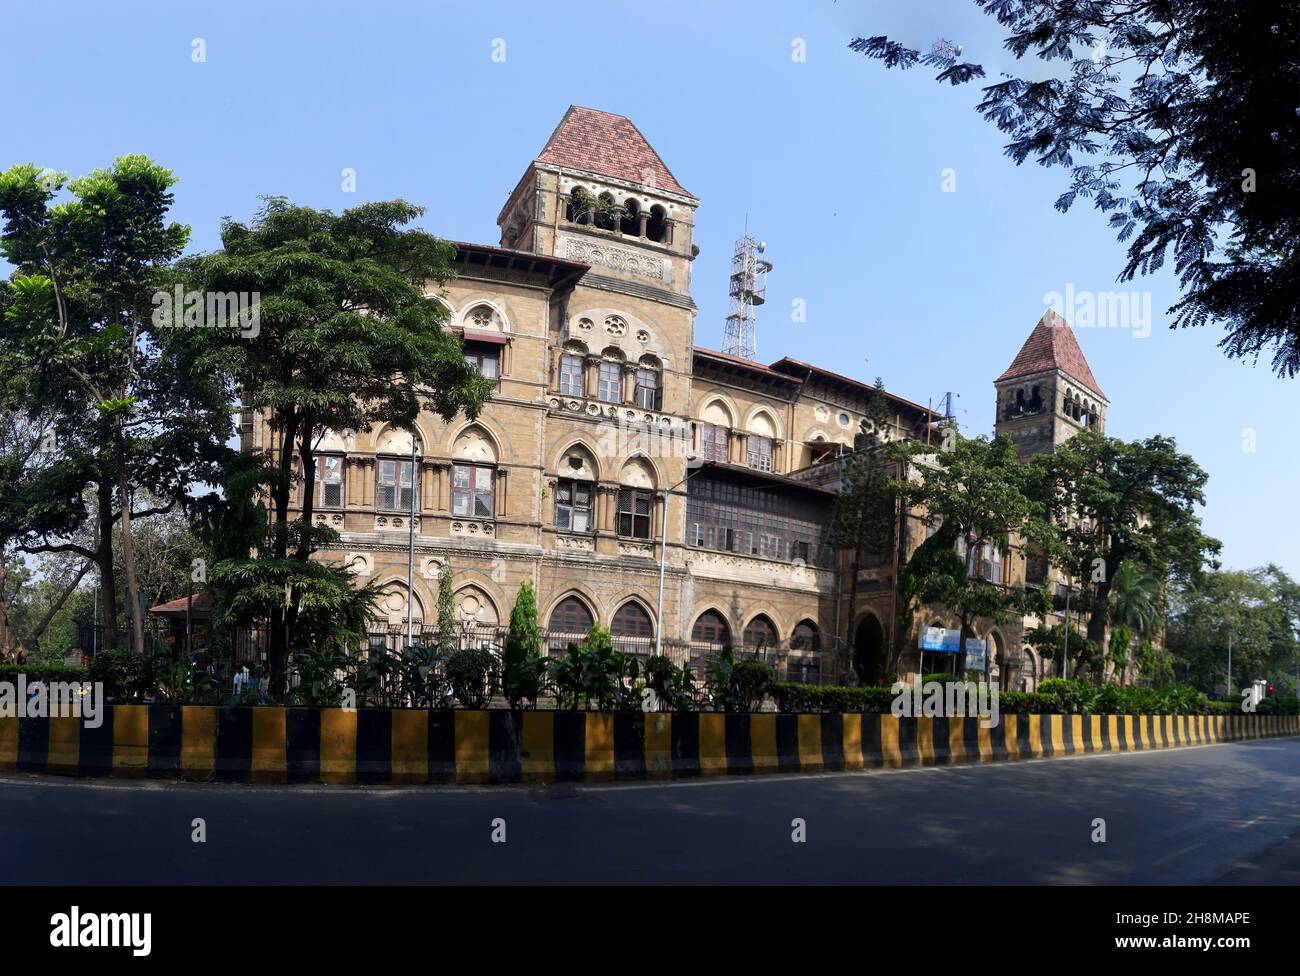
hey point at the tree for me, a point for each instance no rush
(1135, 608)
(346, 339)
(864, 520)
(975, 497)
(1252, 608)
(1177, 119)
(448, 640)
(124, 414)
(522, 666)
(1110, 501)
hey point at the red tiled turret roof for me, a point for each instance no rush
(1052, 346)
(607, 144)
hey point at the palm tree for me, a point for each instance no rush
(1134, 595)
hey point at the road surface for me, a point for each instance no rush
(1226, 813)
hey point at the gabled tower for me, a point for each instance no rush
(1048, 393)
(598, 193)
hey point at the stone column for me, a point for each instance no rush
(591, 376)
(368, 482)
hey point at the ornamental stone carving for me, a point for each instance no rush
(614, 258)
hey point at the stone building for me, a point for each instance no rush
(576, 474)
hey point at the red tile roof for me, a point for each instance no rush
(607, 144)
(202, 606)
(1052, 346)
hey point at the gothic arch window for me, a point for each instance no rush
(710, 628)
(570, 616)
(610, 376)
(714, 431)
(474, 608)
(632, 620)
(760, 443)
(806, 637)
(760, 632)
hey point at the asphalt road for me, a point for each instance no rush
(1226, 813)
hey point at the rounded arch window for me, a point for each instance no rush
(474, 609)
(711, 628)
(656, 228)
(484, 318)
(631, 222)
(760, 632)
(632, 620)
(605, 211)
(570, 616)
(806, 637)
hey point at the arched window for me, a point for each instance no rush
(806, 637)
(714, 431)
(636, 499)
(760, 632)
(605, 211)
(656, 228)
(759, 443)
(573, 380)
(710, 628)
(649, 395)
(473, 475)
(610, 377)
(631, 223)
(579, 208)
(631, 620)
(396, 485)
(570, 616)
(575, 491)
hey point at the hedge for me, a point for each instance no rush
(1055, 696)
(43, 672)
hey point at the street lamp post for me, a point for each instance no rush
(1065, 647)
(410, 549)
(693, 467)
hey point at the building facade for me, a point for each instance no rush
(678, 495)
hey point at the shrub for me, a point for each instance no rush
(522, 666)
(1273, 705)
(793, 697)
(44, 672)
(470, 674)
(738, 686)
(127, 676)
(674, 687)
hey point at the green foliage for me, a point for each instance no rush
(738, 686)
(46, 673)
(1161, 159)
(447, 626)
(1071, 696)
(1278, 705)
(471, 675)
(127, 676)
(674, 687)
(523, 669)
(325, 674)
(595, 675)
(793, 697)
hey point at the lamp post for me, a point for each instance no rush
(1065, 647)
(410, 546)
(694, 466)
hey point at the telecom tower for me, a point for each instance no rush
(748, 290)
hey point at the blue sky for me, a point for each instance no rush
(837, 163)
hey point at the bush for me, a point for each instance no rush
(470, 674)
(1273, 705)
(793, 697)
(44, 672)
(674, 687)
(127, 676)
(738, 686)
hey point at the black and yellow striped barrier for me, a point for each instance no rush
(377, 745)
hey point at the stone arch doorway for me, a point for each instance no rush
(869, 650)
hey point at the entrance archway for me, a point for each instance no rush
(869, 650)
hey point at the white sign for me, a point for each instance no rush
(976, 651)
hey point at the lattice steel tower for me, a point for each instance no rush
(748, 290)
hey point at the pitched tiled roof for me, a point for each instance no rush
(1052, 346)
(607, 144)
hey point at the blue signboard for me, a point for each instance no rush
(940, 641)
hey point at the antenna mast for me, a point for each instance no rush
(748, 290)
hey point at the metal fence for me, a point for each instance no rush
(222, 654)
